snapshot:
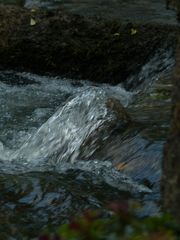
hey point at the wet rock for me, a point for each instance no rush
(115, 105)
(171, 163)
(75, 131)
(100, 135)
(63, 43)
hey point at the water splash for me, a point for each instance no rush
(79, 126)
(28, 101)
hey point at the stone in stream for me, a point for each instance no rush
(75, 131)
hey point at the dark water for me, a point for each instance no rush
(129, 10)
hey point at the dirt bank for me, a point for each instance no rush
(62, 43)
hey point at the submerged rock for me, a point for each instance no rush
(75, 131)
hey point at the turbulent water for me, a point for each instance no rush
(82, 113)
(62, 142)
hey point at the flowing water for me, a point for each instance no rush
(129, 10)
(67, 146)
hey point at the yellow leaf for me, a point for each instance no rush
(133, 31)
(32, 22)
(33, 10)
(116, 34)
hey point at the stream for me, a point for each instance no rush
(67, 146)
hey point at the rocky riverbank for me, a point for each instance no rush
(58, 42)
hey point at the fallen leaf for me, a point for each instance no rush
(133, 31)
(33, 10)
(32, 22)
(116, 34)
(120, 166)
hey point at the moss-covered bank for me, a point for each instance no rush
(62, 43)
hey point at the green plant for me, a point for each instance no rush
(121, 224)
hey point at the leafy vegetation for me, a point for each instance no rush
(122, 223)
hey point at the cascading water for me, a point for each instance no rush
(84, 118)
(88, 113)
(62, 142)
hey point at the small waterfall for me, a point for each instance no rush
(80, 126)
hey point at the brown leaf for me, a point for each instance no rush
(120, 166)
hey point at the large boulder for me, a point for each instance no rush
(63, 43)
